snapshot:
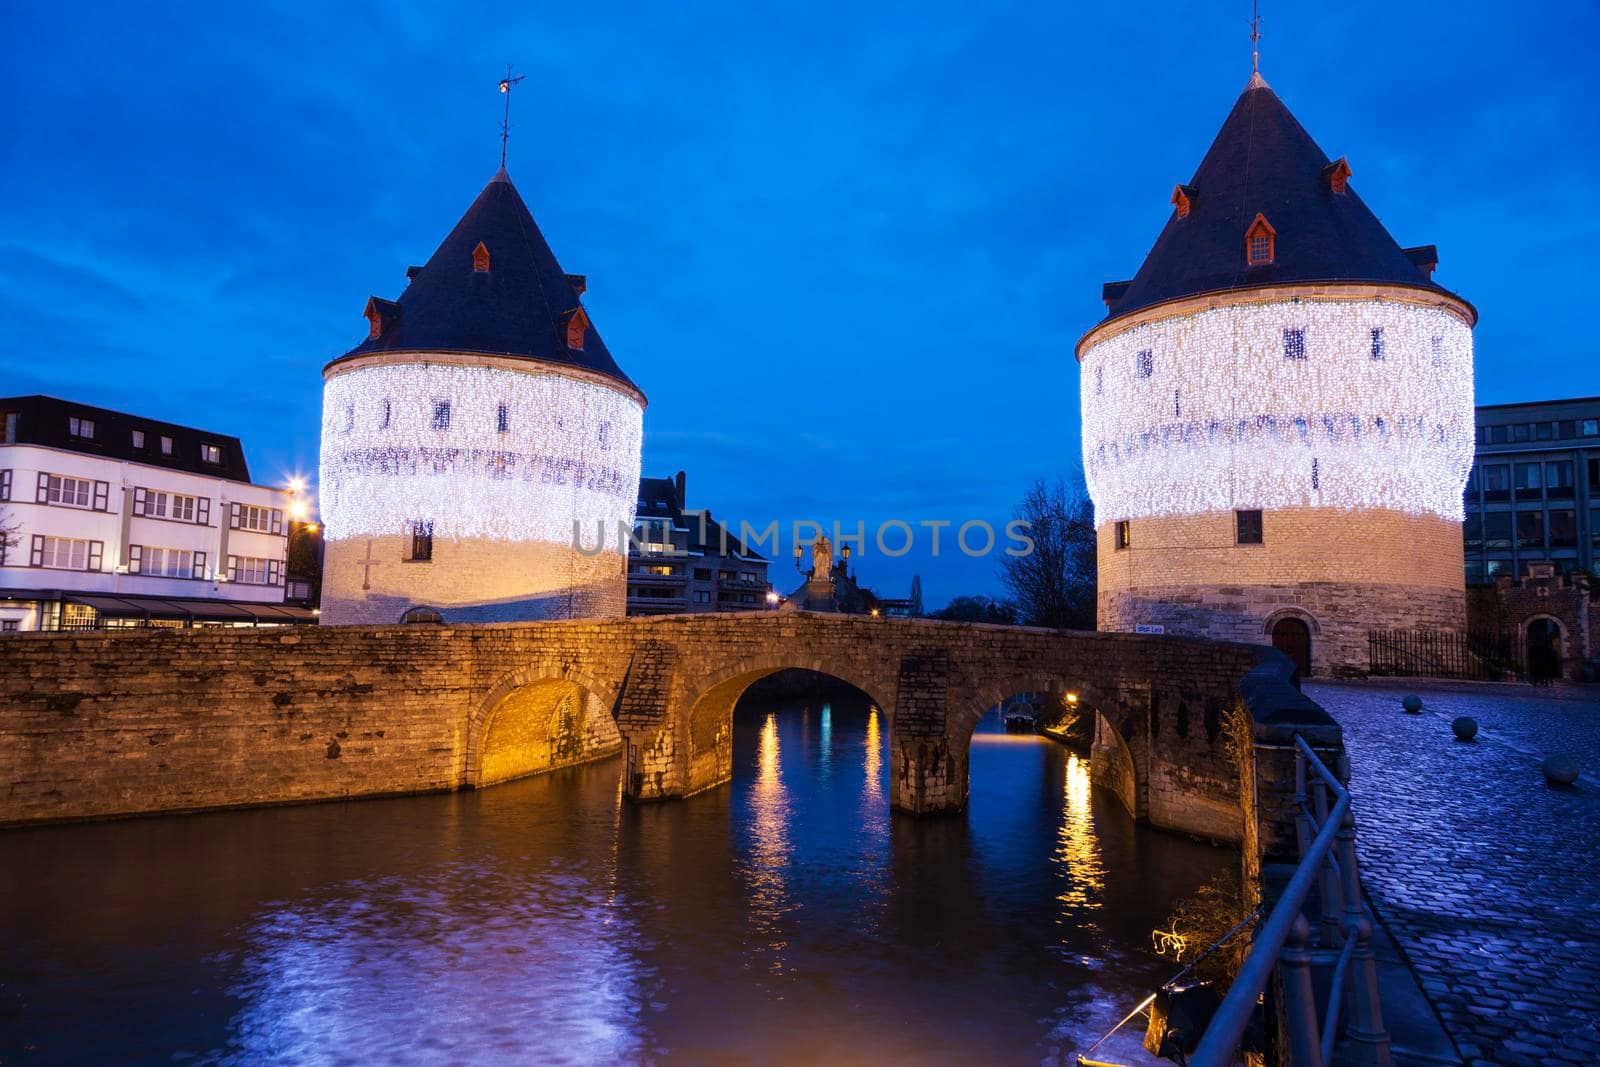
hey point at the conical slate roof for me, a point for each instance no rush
(1264, 162)
(520, 306)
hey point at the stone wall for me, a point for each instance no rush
(1341, 572)
(112, 723)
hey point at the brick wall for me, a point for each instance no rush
(1342, 572)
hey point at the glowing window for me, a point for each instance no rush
(1123, 536)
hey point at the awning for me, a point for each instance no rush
(234, 611)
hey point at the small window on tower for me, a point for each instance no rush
(1122, 537)
(502, 418)
(1294, 343)
(1249, 526)
(1260, 242)
(1099, 381)
(441, 414)
(480, 259)
(1377, 342)
(419, 543)
(1144, 363)
(383, 417)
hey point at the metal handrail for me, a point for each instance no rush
(1310, 1046)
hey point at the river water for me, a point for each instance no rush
(787, 918)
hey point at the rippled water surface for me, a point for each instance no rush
(789, 918)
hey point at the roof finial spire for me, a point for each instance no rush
(1255, 45)
(505, 124)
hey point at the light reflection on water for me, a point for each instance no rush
(785, 919)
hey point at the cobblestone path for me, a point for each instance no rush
(1487, 877)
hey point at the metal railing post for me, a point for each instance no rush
(1368, 1036)
(1299, 1002)
(1330, 903)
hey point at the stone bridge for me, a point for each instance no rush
(108, 723)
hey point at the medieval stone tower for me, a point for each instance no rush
(1278, 412)
(481, 447)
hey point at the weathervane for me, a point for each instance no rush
(505, 124)
(1255, 38)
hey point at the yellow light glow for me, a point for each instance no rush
(1077, 849)
(874, 790)
(297, 509)
(1072, 698)
(297, 485)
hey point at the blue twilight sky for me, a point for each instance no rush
(845, 249)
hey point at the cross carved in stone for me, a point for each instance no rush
(366, 566)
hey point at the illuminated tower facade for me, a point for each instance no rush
(480, 449)
(1278, 412)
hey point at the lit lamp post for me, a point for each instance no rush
(294, 567)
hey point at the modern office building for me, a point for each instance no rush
(116, 520)
(1533, 496)
(689, 562)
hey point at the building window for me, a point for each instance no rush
(1591, 427)
(1294, 343)
(1519, 432)
(1497, 530)
(603, 435)
(1248, 524)
(502, 418)
(1594, 532)
(702, 596)
(80, 427)
(1530, 529)
(1472, 533)
(702, 574)
(1259, 242)
(1144, 363)
(1099, 381)
(253, 570)
(66, 553)
(211, 453)
(158, 505)
(8, 626)
(349, 417)
(1474, 572)
(1316, 473)
(1495, 435)
(383, 417)
(1528, 479)
(1377, 342)
(419, 543)
(5, 485)
(71, 492)
(1544, 431)
(441, 414)
(1558, 479)
(1436, 348)
(1563, 528)
(480, 259)
(166, 446)
(165, 562)
(258, 519)
(138, 439)
(1496, 481)
(1594, 477)
(1122, 536)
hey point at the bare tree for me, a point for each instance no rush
(9, 529)
(1054, 585)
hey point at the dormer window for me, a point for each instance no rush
(1336, 174)
(81, 427)
(1260, 242)
(480, 259)
(577, 326)
(381, 314)
(210, 453)
(1183, 200)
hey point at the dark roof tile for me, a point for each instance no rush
(520, 306)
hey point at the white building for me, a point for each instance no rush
(115, 520)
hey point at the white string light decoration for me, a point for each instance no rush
(1216, 417)
(410, 442)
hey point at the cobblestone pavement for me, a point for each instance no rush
(1487, 877)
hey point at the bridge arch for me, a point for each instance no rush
(711, 699)
(1112, 764)
(538, 718)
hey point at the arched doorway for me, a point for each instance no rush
(1544, 650)
(1292, 637)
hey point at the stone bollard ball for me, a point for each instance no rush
(1560, 770)
(1465, 728)
(1412, 703)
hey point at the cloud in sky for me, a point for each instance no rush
(847, 251)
